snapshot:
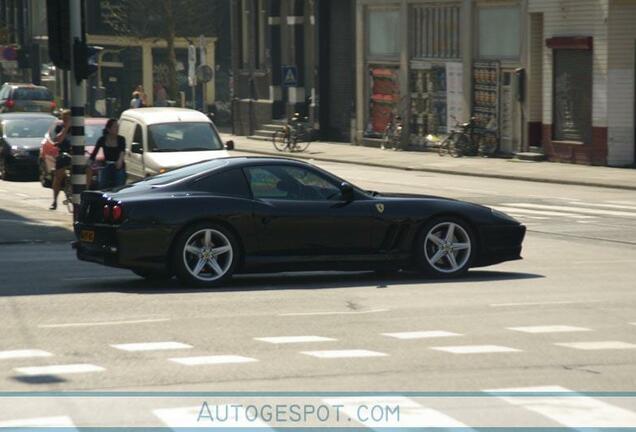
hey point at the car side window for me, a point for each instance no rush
(126, 128)
(290, 183)
(227, 183)
(4, 93)
(138, 137)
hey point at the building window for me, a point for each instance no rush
(499, 34)
(384, 33)
(573, 95)
(436, 31)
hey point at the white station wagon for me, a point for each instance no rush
(161, 139)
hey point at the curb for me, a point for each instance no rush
(448, 171)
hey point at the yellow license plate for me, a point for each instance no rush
(87, 236)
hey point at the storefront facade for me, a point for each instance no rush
(585, 51)
(437, 63)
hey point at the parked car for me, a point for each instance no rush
(161, 139)
(20, 136)
(93, 127)
(16, 97)
(207, 221)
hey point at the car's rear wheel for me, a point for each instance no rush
(205, 255)
(45, 178)
(445, 247)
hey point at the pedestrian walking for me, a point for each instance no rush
(63, 160)
(114, 147)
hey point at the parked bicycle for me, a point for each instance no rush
(392, 136)
(466, 139)
(295, 135)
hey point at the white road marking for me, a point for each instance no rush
(558, 302)
(294, 339)
(573, 209)
(600, 345)
(333, 354)
(333, 313)
(411, 413)
(572, 411)
(421, 334)
(634, 323)
(22, 195)
(39, 422)
(475, 349)
(622, 202)
(20, 354)
(212, 360)
(549, 329)
(615, 206)
(59, 369)
(223, 416)
(515, 211)
(103, 323)
(152, 346)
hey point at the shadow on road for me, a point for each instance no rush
(297, 281)
(15, 229)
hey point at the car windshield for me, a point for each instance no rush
(176, 137)
(26, 128)
(38, 94)
(185, 172)
(92, 133)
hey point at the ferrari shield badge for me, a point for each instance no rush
(380, 207)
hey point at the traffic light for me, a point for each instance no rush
(59, 28)
(85, 59)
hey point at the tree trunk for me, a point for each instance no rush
(172, 55)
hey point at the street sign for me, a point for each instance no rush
(290, 76)
(205, 73)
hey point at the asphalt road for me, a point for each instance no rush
(563, 318)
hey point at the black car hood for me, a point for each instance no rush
(24, 143)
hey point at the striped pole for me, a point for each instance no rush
(78, 101)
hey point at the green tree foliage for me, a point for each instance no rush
(163, 19)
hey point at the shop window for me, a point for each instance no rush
(436, 31)
(573, 95)
(384, 98)
(499, 35)
(384, 33)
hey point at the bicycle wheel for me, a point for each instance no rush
(460, 146)
(279, 138)
(488, 144)
(444, 146)
(300, 144)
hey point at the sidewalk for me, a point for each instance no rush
(511, 169)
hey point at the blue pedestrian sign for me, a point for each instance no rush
(290, 76)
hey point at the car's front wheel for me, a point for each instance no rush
(445, 248)
(205, 255)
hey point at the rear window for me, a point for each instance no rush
(38, 94)
(92, 133)
(185, 172)
(228, 183)
(31, 128)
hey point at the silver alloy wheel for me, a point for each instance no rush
(447, 247)
(208, 255)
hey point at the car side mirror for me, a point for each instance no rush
(229, 145)
(136, 148)
(346, 191)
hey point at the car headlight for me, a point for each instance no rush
(503, 215)
(18, 151)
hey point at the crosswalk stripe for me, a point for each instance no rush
(614, 206)
(26, 353)
(515, 211)
(151, 346)
(39, 422)
(59, 369)
(475, 349)
(600, 345)
(421, 334)
(209, 416)
(583, 412)
(549, 329)
(294, 339)
(334, 354)
(573, 209)
(212, 360)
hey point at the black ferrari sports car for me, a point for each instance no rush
(208, 221)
